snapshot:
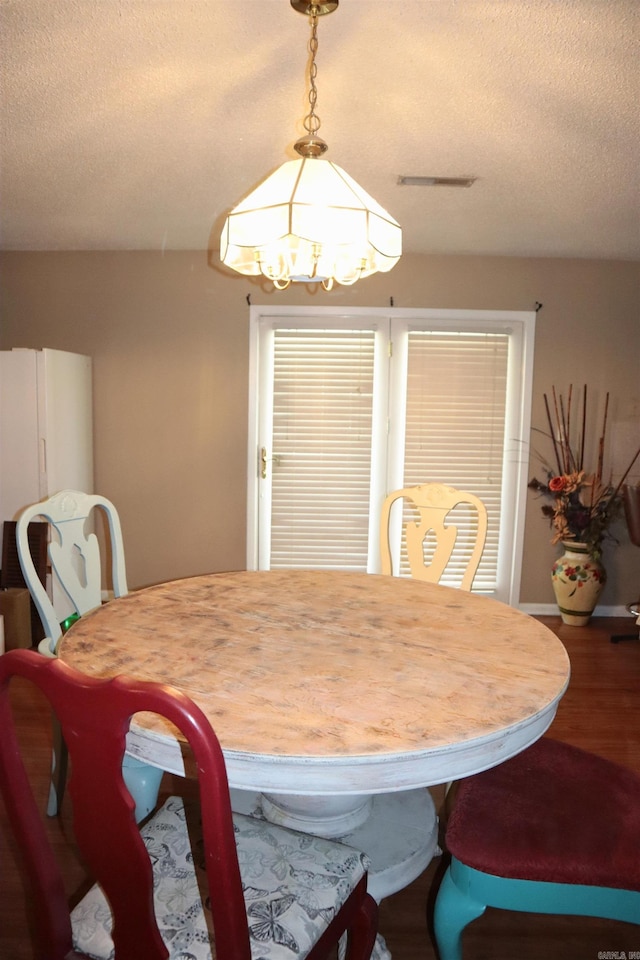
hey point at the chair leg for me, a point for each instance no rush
(143, 783)
(361, 941)
(59, 763)
(453, 911)
(362, 937)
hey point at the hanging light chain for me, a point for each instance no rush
(312, 121)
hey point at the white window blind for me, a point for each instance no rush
(454, 434)
(322, 432)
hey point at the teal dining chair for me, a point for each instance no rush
(553, 830)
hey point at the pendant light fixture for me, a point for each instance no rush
(310, 222)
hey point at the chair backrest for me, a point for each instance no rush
(94, 716)
(431, 503)
(74, 553)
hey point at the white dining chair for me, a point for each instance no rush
(75, 556)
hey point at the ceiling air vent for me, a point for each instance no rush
(436, 181)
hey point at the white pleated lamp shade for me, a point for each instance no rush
(309, 222)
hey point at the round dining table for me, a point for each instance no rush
(337, 697)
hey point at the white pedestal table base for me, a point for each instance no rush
(400, 835)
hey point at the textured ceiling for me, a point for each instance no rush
(136, 124)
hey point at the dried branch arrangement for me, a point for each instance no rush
(583, 504)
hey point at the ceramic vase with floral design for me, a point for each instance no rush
(578, 579)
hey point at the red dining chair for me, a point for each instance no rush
(227, 886)
(553, 830)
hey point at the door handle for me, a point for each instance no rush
(264, 460)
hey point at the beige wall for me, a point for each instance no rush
(168, 335)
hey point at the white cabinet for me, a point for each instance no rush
(46, 426)
(46, 429)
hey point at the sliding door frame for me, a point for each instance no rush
(521, 327)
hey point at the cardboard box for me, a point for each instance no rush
(15, 609)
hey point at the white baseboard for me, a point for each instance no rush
(551, 610)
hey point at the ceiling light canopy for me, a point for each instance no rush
(310, 222)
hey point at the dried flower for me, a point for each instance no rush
(583, 505)
(556, 484)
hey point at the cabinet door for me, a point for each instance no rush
(46, 426)
(20, 448)
(46, 433)
(66, 421)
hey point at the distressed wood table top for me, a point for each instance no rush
(327, 664)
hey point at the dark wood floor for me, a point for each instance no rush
(600, 712)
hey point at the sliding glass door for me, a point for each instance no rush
(346, 407)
